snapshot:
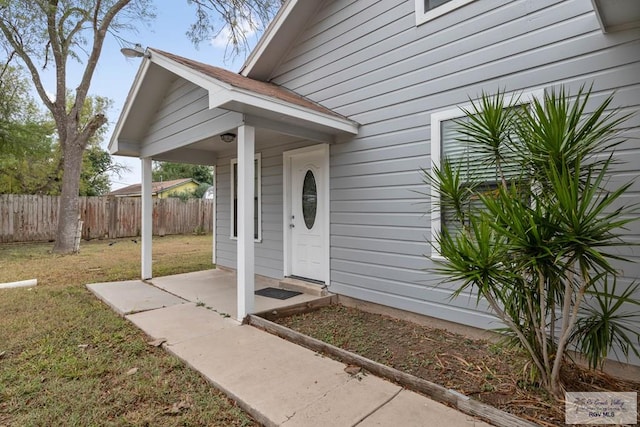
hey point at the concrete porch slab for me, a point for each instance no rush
(132, 296)
(217, 289)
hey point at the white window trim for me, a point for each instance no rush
(233, 162)
(423, 15)
(436, 153)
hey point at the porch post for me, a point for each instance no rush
(147, 219)
(213, 216)
(246, 183)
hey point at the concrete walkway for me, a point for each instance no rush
(279, 383)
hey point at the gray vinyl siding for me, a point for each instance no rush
(183, 115)
(269, 252)
(367, 60)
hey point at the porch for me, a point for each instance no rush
(212, 289)
(183, 111)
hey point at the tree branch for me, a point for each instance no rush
(68, 39)
(13, 37)
(5, 67)
(95, 123)
(59, 58)
(100, 32)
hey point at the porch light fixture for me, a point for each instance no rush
(134, 52)
(228, 137)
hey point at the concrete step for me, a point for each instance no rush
(291, 284)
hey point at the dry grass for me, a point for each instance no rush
(66, 359)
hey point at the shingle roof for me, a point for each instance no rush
(156, 187)
(249, 84)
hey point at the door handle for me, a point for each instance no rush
(291, 225)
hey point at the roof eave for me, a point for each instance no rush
(113, 146)
(277, 38)
(235, 98)
(184, 71)
(268, 35)
(618, 15)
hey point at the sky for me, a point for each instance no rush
(115, 74)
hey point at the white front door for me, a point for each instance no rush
(306, 213)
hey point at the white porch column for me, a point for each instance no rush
(214, 230)
(246, 183)
(147, 218)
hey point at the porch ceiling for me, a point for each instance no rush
(206, 150)
(271, 109)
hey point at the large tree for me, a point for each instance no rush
(22, 125)
(46, 34)
(28, 156)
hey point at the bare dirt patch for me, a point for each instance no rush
(490, 372)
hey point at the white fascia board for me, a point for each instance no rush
(219, 95)
(128, 104)
(229, 120)
(290, 129)
(125, 148)
(596, 8)
(268, 36)
(187, 73)
(191, 156)
(289, 109)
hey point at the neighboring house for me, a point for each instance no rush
(160, 190)
(339, 107)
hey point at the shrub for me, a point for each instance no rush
(538, 245)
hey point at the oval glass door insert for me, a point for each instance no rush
(309, 200)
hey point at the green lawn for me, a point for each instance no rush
(67, 359)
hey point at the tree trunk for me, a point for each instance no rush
(69, 199)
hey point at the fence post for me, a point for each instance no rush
(112, 217)
(78, 237)
(162, 225)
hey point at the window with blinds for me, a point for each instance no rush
(476, 168)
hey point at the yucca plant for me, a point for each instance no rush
(540, 247)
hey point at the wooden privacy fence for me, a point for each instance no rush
(35, 218)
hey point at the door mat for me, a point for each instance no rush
(277, 293)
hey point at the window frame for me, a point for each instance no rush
(425, 15)
(233, 207)
(436, 153)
